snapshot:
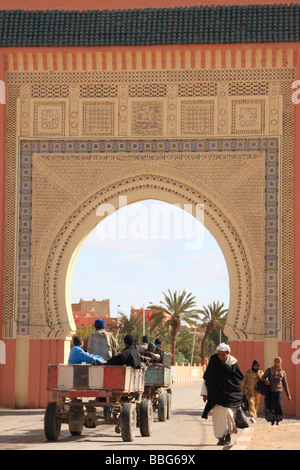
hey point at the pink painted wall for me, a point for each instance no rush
(2, 187)
(246, 352)
(297, 235)
(41, 354)
(7, 375)
(44, 352)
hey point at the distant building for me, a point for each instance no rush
(84, 318)
(139, 312)
(101, 308)
(85, 312)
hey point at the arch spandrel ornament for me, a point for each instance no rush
(58, 266)
(153, 119)
(240, 250)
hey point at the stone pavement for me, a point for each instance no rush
(21, 429)
(263, 436)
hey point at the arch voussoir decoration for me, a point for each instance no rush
(83, 219)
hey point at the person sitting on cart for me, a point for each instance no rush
(158, 349)
(128, 357)
(152, 354)
(79, 356)
(101, 342)
(142, 347)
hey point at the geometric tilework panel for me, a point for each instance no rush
(256, 155)
(114, 124)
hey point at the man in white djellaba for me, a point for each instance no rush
(221, 391)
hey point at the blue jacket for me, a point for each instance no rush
(79, 356)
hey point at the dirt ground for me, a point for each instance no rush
(284, 437)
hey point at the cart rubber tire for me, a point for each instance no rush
(52, 425)
(169, 405)
(75, 431)
(128, 422)
(162, 406)
(76, 423)
(146, 418)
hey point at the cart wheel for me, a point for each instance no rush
(52, 424)
(162, 406)
(128, 422)
(146, 418)
(169, 405)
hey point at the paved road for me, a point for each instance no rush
(185, 431)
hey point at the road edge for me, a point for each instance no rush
(244, 440)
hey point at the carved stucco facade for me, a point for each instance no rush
(185, 127)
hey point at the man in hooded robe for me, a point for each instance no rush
(221, 389)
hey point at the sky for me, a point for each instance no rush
(144, 249)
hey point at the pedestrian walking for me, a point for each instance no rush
(252, 376)
(222, 392)
(276, 378)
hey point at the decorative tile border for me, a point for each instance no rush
(132, 146)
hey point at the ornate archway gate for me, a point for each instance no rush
(192, 124)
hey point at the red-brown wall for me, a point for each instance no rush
(246, 352)
(7, 375)
(123, 4)
(297, 235)
(2, 187)
(43, 352)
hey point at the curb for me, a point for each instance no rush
(244, 440)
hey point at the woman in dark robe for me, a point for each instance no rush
(276, 378)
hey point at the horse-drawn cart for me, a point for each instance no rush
(158, 387)
(78, 390)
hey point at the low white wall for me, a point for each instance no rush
(187, 374)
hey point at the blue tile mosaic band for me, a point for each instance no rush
(270, 145)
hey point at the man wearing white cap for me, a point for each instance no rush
(221, 390)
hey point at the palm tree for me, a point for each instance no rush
(176, 308)
(215, 316)
(132, 326)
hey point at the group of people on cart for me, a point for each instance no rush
(101, 347)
